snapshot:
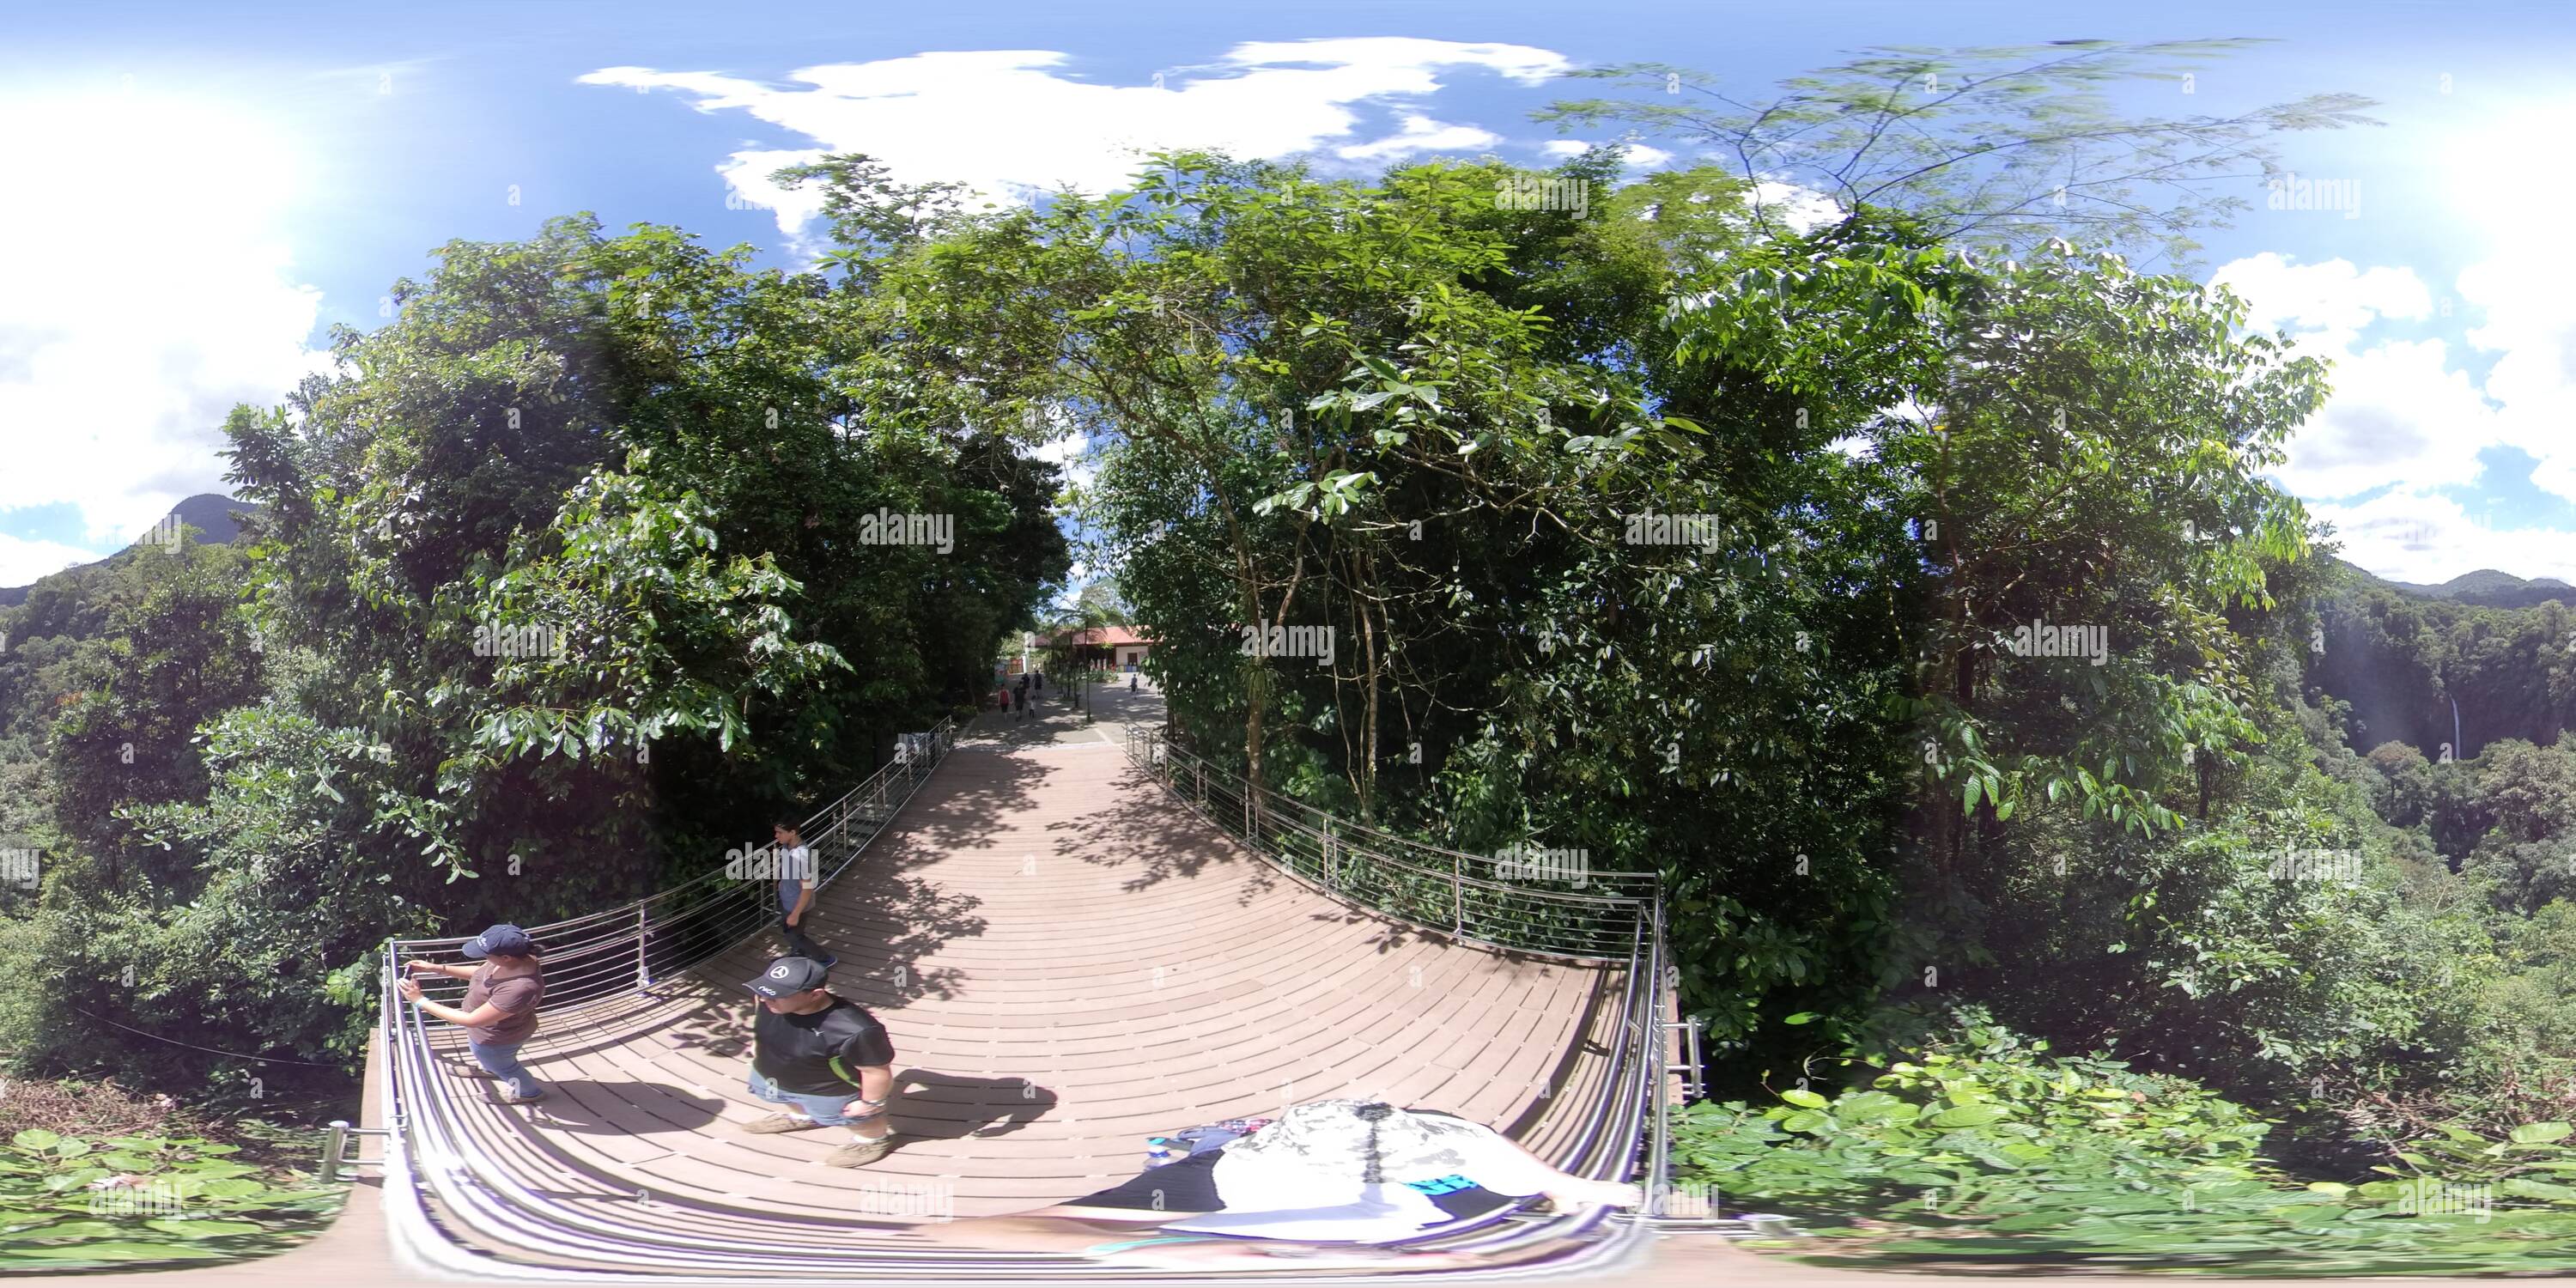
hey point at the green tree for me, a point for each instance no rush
(1996, 148)
(2404, 793)
(2529, 849)
(172, 651)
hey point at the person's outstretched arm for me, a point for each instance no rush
(1506, 1168)
(481, 1015)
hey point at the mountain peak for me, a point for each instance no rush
(212, 514)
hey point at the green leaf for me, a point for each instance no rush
(1804, 1099)
(35, 1138)
(1969, 1116)
(120, 1251)
(202, 1229)
(71, 1230)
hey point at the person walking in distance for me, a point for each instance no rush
(797, 882)
(500, 1010)
(825, 1058)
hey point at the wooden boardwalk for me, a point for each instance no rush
(1068, 962)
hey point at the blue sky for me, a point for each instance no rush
(214, 189)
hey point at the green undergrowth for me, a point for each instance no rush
(1997, 1155)
(130, 1202)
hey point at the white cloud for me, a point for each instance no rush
(1800, 210)
(2334, 300)
(2410, 536)
(1420, 134)
(2405, 415)
(145, 291)
(1635, 154)
(1072, 450)
(2533, 332)
(22, 562)
(1014, 124)
(2399, 411)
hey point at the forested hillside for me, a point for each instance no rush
(244, 766)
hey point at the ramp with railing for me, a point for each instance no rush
(1073, 949)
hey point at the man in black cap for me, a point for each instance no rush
(500, 1010)
(824, 1057)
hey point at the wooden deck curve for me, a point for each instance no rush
(1068, 962)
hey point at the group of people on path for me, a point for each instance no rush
(1021, 699)
(1335, 1177)
(1326, 1181)
(1025, 693)
(824, 1059)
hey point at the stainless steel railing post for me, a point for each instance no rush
(1458, 894)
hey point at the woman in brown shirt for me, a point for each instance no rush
(500, 1010)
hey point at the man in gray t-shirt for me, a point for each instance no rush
(797, 882)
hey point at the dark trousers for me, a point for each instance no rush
(797, 943)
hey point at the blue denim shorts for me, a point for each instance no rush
(822, 1109)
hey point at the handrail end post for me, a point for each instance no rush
(335, 1145)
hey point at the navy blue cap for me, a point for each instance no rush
(789, 976)
(506, 939)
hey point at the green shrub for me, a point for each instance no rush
(1997, 1154)
(69, 1203)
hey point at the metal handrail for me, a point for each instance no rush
(1517, 914)
(1388, 841)
(624, 949)
(1629, 1131)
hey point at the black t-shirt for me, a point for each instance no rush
(819, 1054)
